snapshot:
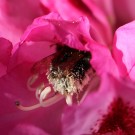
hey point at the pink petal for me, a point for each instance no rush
(109, 111)
(54, 26)
(124, 49)
(5, 53)
(107, 8)
(121, 112)
(16, 16)
(128, 7)
(25, 129)
(102, 60)
(48, 31)
(99, 23)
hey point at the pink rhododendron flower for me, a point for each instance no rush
(71, 9)
(50, 64)
(58, 76)
(59, 63)
(109, 111)
(16, 15)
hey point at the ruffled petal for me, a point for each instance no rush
(54, 26)
(100, 27)
(123, 50)
(102, 60)
(45, 32)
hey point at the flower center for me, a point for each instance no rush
(68, 71)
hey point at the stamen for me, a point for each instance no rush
(31, 81)
(52, 100)
(46, 103)
(44, 93)
(39, 90)
(69, 99)
(24, 108)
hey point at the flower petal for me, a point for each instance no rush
(100, 27)
(45, 32)
(123, 49)
(109, 111)
(89, 112)
(128, 7)
(16, 16)
(102, 60)
(25, 129)
(5, 53)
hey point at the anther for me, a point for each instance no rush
(69, 99)
(17, 103)
(44, 93)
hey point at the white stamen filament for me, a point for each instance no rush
(39, 90)
(31, 81)
(29, 108)
(69, 99)
(46, 103)
(52, 100)
(44, 94)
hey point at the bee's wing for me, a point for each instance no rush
(43, 65)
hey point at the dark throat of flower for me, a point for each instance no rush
(68, 72)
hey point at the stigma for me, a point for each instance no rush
(68, 72)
